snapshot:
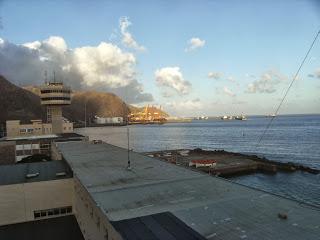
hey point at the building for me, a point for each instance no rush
(34, 128)
(109, 120)
(151, 200)
(16, 149)
(54, 95)
(37, 202)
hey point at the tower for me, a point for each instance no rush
(55, 95)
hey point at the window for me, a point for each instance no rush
(69, 209)
(43, 213)
(36, 214)
(63, 210)
(56, 211)
(52, 212)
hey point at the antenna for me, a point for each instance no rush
(54, 76)
(85, 113)
(45, 76)
(128, 134)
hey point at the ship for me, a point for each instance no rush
(241, 117)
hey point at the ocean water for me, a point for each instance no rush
(291, 138)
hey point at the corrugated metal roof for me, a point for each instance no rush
(214, 207)
(17, 173)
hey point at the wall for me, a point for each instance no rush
(91, 219)
(19, 201)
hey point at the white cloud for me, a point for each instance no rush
(195, 43)
(266, 83)
(228, 92)
(215, 75)
(127, 38)
(231, 79)
(183, 108)
(172, 78)
(104, 67)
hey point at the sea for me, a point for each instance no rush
(290, 138)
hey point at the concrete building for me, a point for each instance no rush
(15, 149)
(34, 128)
(37, 202)
(107, 195)
(109, 120)
(54, 95)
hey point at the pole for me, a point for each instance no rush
(85, 114)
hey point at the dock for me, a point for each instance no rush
(214, 207)
(228, 164)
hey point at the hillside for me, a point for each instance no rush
(97, 103)
(18, 103)
(24, 104)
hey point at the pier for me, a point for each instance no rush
(228, 164)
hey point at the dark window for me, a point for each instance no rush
(56, 211)
(50, 212)
(36, 214)
(43, 213)
(69, 209)
(63, 210)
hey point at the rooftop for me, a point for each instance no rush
(34, 172)
(214, 207)
(33, 137)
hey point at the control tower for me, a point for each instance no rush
(55, 95)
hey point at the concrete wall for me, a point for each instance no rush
(91, 219)
(7, 153)
(19, 201)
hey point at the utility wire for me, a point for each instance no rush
(287, 91)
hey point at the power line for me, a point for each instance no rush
(288, 89)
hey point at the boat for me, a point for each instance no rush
(242, 117)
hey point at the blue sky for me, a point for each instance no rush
(247, 42)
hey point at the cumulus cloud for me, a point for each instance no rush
(171, 78)
(195, 43)
(127, 38)
(228, 92)
(215, 75)
(184, 107)
(104, 67)
(266, 83)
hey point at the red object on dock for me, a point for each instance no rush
(204, 161)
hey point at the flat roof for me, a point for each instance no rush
(214, 207)
(34, 137)
(17, 173)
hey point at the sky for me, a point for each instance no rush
(191, 57)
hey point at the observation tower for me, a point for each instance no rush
(54, 95)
